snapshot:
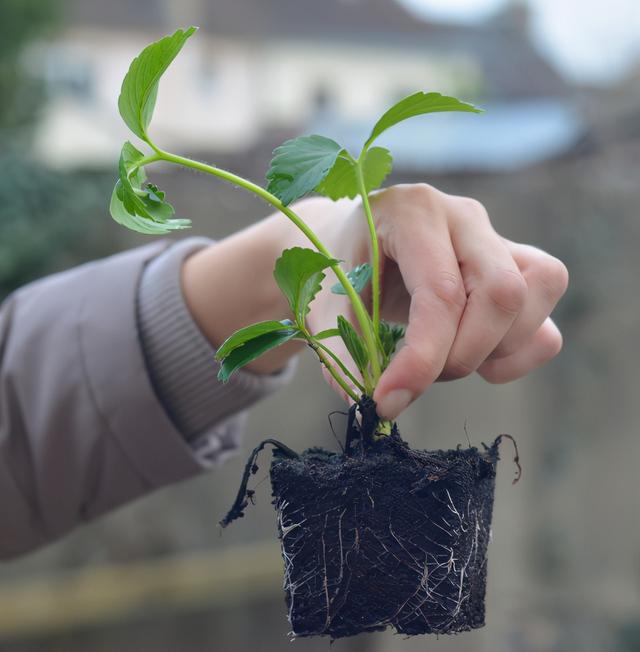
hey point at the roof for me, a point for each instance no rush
(349, 19)
(508, 136)
(512, 66)
(256, 18)
(120, 14)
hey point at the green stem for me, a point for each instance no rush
(359, 309)
(368, 381)
(332, 370)
(375, 252)
(152, 158)
(342, 366)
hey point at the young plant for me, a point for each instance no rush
(299, 166)
(379, 535)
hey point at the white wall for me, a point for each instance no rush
(221, 94)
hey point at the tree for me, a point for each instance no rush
(46, 217)
(20, 22)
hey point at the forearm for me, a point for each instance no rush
(81, 430)
(108, 391)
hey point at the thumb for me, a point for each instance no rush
(392, 395)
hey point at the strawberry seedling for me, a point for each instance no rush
(378, 535)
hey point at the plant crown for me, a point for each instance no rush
(299, 166)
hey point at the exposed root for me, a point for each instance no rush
(516, 458)
(251, 468)
(331, 426)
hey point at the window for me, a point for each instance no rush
(68, 72)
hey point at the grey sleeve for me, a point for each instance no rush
(83, 427)
(182, 366)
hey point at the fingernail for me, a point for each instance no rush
(393, 403)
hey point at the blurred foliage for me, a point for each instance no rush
(48, 220)
(20, 22)
(629, 636)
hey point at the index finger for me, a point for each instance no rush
(421, 246)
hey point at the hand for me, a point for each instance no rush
(473, 301)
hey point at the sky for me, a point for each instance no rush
(591, 41)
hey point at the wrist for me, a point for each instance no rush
(230, 285)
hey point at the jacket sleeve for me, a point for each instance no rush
(92, 412)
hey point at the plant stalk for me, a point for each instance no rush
(342, 366)
(152, 158)
(368, 329)
(332, 370)
(375, 250)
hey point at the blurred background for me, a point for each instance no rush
(556, 161)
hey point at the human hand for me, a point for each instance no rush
(473, 301)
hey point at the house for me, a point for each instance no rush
(289, 66)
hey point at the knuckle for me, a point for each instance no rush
(405, 206)
(449, 289)
(553, 275)
(472, 208)
(491, 373)
(422, 189)
(457, 368)
(424, 367)
(419, 362)
(386, 230)
(423, 194)
(507, 290)
(552, 346)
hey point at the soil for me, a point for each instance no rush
(381, 535)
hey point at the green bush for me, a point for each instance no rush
(48, 220)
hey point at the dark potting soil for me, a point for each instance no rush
(382, 535)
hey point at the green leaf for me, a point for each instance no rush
(342, 180)
(353, 342)
(133, 222)
(243, 335)
(418, 104)
(253, 349)
(139, 206)
(359, 277)
(298, 273)
(299, 165)
(329, 332)
(140, 85)
(390, 335)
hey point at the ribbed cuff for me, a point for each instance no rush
(181, 360)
